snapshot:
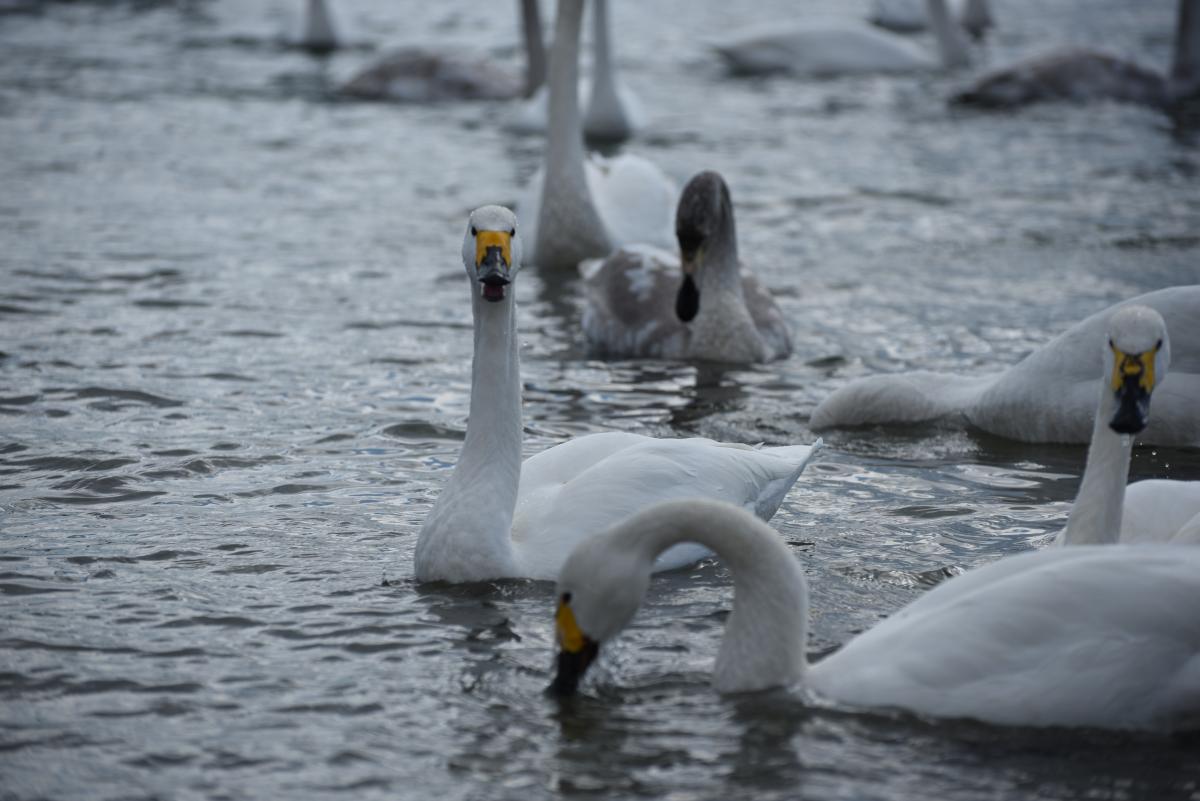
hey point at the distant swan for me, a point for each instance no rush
(577, 208)
(319, 35)
(843, 48)
(1049, 396)
(1103, 636)
(644, 302)
(423, 75)
(498, 518)
(910, 16)
(1082, 75)
(1136, 355)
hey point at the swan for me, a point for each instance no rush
(910, 16)
(1136, 355)
(1082, 75)
(637, 307)
(613, 114)
(421, 75)
(846, 47)
(319, 35)
(498, 518)
(1049, 396)
(1103, 636)
(576, 208)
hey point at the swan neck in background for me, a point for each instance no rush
(1184, 79)
(318, 27)
(765, 636)
(535, 48)
(1096, 514)
(951, 40)
(721, 272)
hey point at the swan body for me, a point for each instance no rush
(575, 208)
(1082, 75)
(910, 16)
(842, 48)
(1161, 510)
(498, 518)
(1049, 396)
(645, 302)
(1088, 636)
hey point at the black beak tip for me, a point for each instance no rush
(687, 302)
(1123, 423)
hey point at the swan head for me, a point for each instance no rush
(599, 590)
(1136, 357)
(704, 211)
(492, 251)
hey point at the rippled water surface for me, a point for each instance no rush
(234, 354)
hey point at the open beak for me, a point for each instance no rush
(576, 652)
(1132, 383)
(493, 261)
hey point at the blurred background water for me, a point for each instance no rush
(234, 371)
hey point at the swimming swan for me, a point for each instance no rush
(1049, 396)
(1081, 75)
(848, 47)
(1136, 354)
(910, 16)
(497, 517)
(637, 305)
(1104, 636)
(319, 34)
(422, 75)
(575, 208)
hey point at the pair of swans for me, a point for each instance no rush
(1082, 75)
(1105, 636)
(498, 517)
(844, 47)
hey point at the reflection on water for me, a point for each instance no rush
(234, 375)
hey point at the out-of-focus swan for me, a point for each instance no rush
(576, 208)
(498, 517)
(843, 48)
(645, 302)
(910, 16)
(1049, 396)
(1081, 75)
(1104, 636)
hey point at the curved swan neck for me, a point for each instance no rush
(721, 272)
(1096, 514)
(951, 41)
(535, 48)
(1184, 79)
(467, 536)
(765, 636)
(318, 27)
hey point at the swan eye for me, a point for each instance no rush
(1110, 342)
(566, 597)
(1158, 346)
(474, 231)
(512, 231)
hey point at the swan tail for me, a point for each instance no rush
(772, 495)
(915, 397)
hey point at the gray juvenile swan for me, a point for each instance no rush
(646, 302)
(1104, 636)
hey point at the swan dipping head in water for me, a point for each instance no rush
(492, 251)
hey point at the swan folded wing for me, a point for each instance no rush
(768, 318)
(552, 517)
(912, 397)
(635, 199)
(1104, 635)
(1159, 510)
(630, 304)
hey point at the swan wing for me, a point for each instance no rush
(768, 318)
(911, 397)
(630, 304)
(603, 482)
(1159, 510)
(1087, 636)
(827, 49)
(635, 199)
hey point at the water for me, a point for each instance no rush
(234, 350)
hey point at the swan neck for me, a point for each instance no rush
(1096, 514)
(1185, 67)
(720, 272)
(765, 636)
(601, 52)
(564, 150)
(318, 26)
(951, 41)
(535, 48)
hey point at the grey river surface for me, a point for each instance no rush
(234, 371)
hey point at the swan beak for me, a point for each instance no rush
(493, 261)
(1132, 383)
(575, 652)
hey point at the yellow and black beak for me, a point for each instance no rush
(493, 263)
(576, 651)
(1132, 382)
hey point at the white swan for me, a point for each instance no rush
(499, 518)
(1082, 75)
(613, 114)
(637, 306)
(1088, 636)
(422, 75)
(1136, 355)
(843, 48)
(575, 208)
(1049, 396)
(910, 16)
